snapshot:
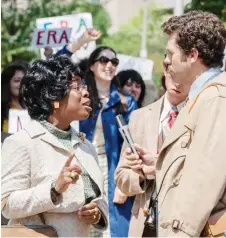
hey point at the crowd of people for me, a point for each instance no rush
(86, 182)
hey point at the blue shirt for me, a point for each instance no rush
(204, 78)
(64, 51)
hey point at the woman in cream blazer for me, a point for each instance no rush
(48, 168)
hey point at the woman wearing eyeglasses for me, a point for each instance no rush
(101, 129)
(50, 173)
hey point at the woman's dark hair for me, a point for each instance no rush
(134, 76)
(83, 65)
(91, 82)
(7, 75)
(46, 81)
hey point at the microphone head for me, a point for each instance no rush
(120, 121)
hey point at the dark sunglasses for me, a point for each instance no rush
(104, 60)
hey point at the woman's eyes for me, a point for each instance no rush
(16, 80)
(131, 84)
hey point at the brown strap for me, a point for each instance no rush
(193, 104)
(192, 132)
(212, 84)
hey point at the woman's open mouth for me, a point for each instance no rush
(86, 105)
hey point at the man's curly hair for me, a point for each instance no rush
(46, 81)
(201, 30)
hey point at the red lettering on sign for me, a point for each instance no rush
(64, 36)
(64, 24)
(39, 37)
(53, 35)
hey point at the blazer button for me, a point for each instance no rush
(184, 144)
(176, 181)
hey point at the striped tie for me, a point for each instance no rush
(172, 116)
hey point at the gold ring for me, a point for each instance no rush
(96, 211)
(73, 175)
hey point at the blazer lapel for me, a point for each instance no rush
(35, 129)
(178, 128)
(153, 126)
(85, 158)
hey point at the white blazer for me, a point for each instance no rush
(31, 160)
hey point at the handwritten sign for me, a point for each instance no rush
(18, 119)
(51, 37)
(143, 66)
(79, 22)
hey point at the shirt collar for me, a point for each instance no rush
(201, 80)
(167, 107)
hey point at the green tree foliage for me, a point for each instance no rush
(128, 39)
(217, 7)
(18, 24)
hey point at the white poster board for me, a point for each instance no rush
(18, 119)
(79, 22)
(142, 65)
(55, 37)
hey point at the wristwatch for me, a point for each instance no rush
(54, 194)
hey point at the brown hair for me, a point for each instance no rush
(201, 30)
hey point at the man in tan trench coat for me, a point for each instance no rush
(147, 135)
(190, 169)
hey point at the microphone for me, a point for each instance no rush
(125, 132)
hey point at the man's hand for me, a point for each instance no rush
(144, 162)
(119, 196)
(148, 160)
(90, 213)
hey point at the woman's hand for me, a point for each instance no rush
(89, 35)
(119, 196)
(68, 175)
(90, 213)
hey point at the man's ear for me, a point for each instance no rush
(194, 55)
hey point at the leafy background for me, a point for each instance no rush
(18, 24)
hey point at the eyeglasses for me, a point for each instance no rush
(78, 88)
(104, 60)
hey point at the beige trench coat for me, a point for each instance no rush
(191, 168)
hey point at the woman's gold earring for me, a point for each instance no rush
(56, 105)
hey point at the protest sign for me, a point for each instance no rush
(51, 37)
(18, 119)
(79, 22)
(142, 65)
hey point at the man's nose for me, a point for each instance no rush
(166, 63)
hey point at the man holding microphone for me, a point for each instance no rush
(193, 154)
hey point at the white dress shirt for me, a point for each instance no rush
(167, 107)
